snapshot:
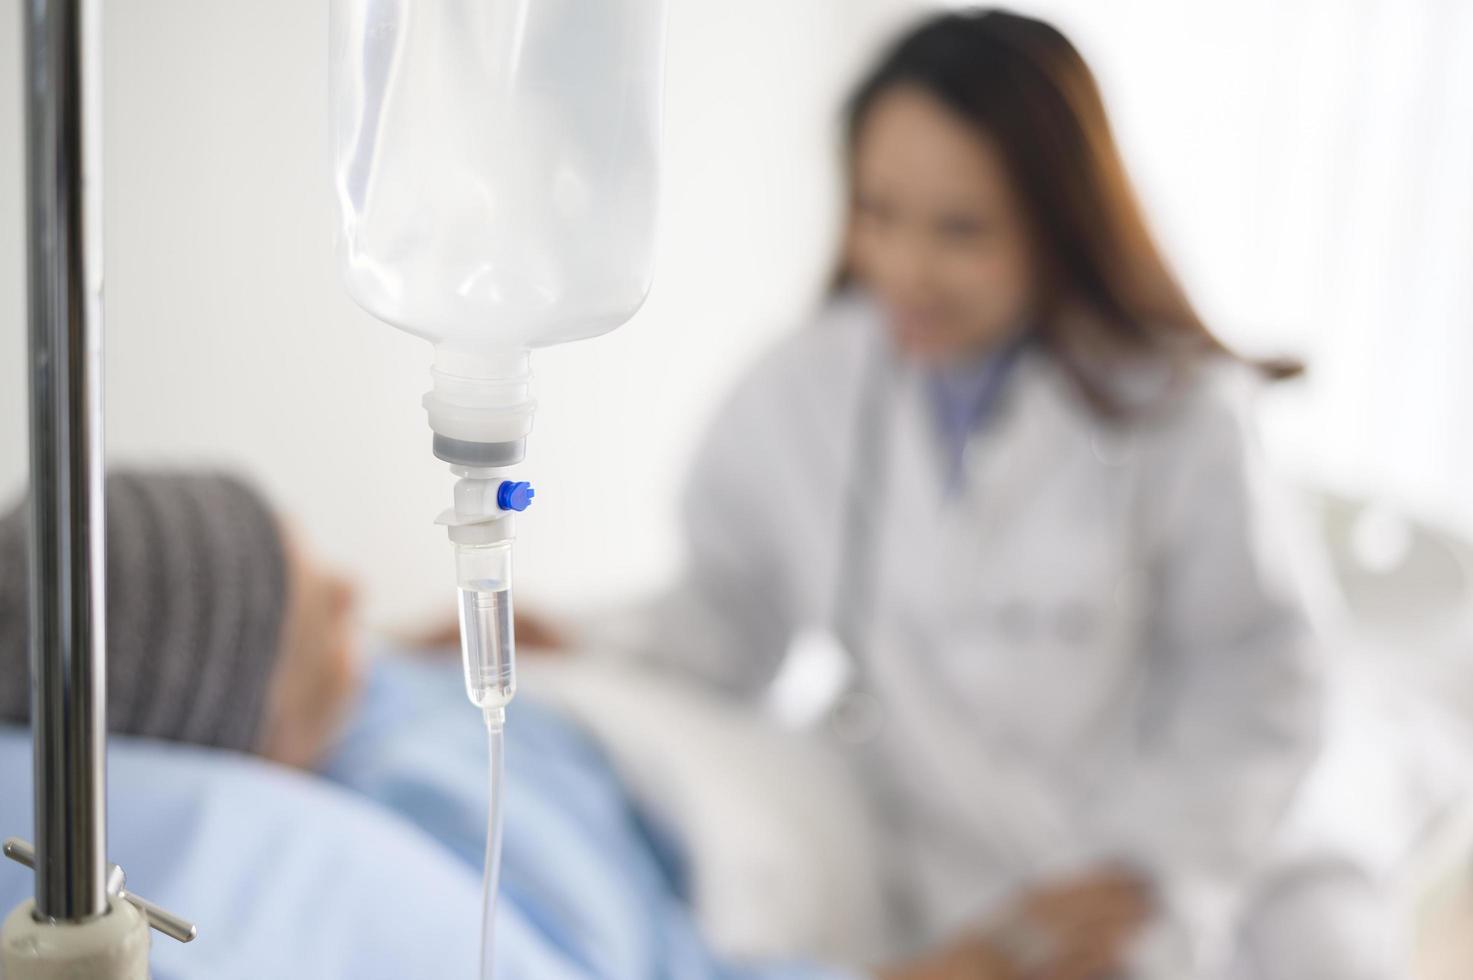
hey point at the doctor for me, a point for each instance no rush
(1011, 470)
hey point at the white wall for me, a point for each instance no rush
(229, 339)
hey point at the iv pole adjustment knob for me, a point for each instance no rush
(160, 919)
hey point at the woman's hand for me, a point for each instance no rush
(1077, 929)
(970, 958)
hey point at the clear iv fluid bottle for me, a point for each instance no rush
(496, 164)
(495, 168)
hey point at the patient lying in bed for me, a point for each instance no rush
(225, 633)
(236, 684)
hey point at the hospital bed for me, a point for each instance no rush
(750, 844)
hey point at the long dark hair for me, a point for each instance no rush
(1106, 293)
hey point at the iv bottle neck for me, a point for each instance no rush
(481, 406)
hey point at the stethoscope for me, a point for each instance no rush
(856, 718)
(855, 714)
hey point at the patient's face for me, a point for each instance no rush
(317, 672)
(936, 231)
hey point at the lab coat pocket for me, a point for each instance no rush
(1039, 651)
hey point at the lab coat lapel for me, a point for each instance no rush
(930, 546)
(1008, 467)
(1009, 458)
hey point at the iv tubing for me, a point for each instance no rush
(481, 530)
(495, 721)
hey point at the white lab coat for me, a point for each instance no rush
(1094, 651)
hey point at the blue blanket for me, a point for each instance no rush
(378, 876)
(285, 875)
(601, 884)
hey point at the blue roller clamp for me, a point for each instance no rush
(514, 495)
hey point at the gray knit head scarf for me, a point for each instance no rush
(196, 598)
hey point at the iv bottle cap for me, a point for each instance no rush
(515, 495)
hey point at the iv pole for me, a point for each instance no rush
(82, 923)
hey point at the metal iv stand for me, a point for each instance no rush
(82, 923)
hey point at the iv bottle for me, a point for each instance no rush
(495, 169)
(495, 166)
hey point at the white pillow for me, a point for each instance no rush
(777, 832)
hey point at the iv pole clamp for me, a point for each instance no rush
(81, 922)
